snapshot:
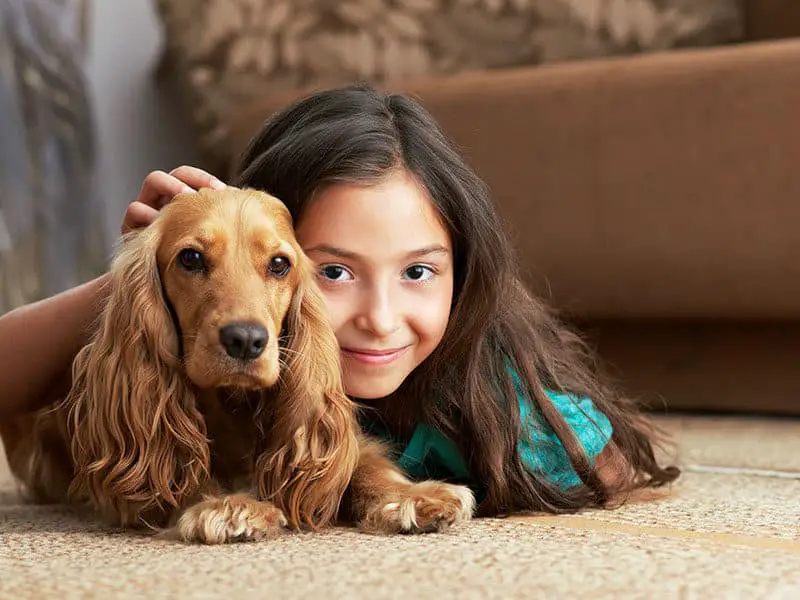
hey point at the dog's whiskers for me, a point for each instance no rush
(289, 351)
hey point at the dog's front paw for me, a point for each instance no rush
(429, 506)
(234, 518)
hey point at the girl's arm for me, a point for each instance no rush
(39, 341)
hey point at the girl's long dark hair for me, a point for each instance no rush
(357, 135)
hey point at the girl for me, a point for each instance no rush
(469, 377)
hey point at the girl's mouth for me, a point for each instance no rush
(369, 356)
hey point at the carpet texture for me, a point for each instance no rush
(729, 529)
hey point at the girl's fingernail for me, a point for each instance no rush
(217, 184)
(187, 190)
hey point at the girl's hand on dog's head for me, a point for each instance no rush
(159, 188)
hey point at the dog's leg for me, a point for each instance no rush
(383, 500)
(219, 519)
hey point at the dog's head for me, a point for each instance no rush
(216, 293)
(229, 267)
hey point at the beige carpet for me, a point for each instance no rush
(731, 529)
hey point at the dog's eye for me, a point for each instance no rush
(192, 260)
(279, 266)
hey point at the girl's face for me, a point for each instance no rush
(385, 265)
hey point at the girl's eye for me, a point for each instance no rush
(419, 273)
(335, 273)
(192, 260)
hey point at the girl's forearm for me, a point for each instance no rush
(39, 341)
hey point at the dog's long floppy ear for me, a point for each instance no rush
(312, 449)
(138, 441)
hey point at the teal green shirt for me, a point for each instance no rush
(430, 454)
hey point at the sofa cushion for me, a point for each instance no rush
(223, 53)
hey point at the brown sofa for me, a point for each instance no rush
(653, 199)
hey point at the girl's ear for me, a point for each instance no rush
(312, 453)
(138, 441)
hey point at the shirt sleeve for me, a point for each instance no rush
(539, 446)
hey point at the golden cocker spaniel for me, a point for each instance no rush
(209, 402)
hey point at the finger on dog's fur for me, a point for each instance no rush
(159, 186)
(197, 178)
(138, 215)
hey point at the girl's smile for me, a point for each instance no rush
(374, 357)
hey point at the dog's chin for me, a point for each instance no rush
(246, 381)
(231, 375)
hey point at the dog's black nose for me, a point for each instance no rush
(245, 341)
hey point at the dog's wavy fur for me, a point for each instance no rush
(161, 428)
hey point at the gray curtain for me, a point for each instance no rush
(51, 234)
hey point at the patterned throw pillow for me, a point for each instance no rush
(223, 53)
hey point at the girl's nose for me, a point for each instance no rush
(379, 314)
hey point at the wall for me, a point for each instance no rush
(138, 129)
